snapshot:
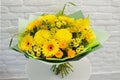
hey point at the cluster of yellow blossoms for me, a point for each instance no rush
(51, 36)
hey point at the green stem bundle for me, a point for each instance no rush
(62, 69)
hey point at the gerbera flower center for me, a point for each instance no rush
(28, 43)
(50, 47)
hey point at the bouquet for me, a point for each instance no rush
(56, 39)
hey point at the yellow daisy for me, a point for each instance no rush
(50, 48)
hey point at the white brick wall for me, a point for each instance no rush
(103, 14)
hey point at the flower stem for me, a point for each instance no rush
(62, 69)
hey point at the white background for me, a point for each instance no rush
(103, 14)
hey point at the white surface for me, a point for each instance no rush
(40, 71)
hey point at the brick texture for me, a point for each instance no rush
(103, 14)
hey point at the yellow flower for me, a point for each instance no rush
(86, 22)
(80, 48)
(63, 35)
(33, 24)
(26, 42)
(83, 24)
(50, 48)
(66, 19)
(90, 36)
(71, 53)
(74, 29)
(59, 24)
(76, 42)
(41, 36)
(49, 18)
(59, 54)
(62, 44)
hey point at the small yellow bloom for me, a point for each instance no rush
(59, 54)
(41, 36)
(80, 48)
(59, 24)
(32, 53)
(63, 35)
(71, 53)
(26, 42)
(50, 48)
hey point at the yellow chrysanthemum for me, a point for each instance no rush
(90, 36)
(41, 36)
(63, 35)
(26, 43)
(49, 18)
(50, 48)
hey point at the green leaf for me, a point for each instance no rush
(77, 15)
(61, 12)
(72, 3)
(10, 42)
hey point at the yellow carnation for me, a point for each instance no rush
(63, 35)
(41, 36)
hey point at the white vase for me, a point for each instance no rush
(38, 70)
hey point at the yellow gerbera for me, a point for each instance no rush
(33, 24)
(41, 36)
(63, 35)
(50, 48)
(26, 43)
